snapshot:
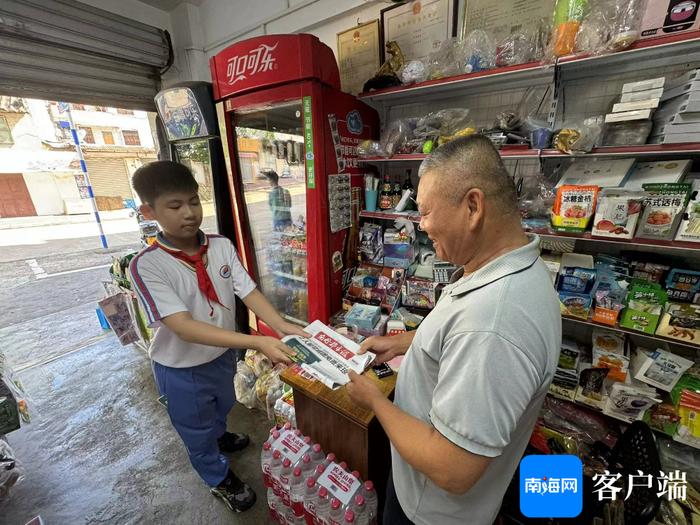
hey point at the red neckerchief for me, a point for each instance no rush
(197, 262)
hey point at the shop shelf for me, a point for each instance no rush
(294, 319)
(646, 150)
(514, 76)
(619, 329)
(507, 152)
(390, 216)
(675, 246)
(290, 276)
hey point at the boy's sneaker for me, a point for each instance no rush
(232, 442)
(237, 496)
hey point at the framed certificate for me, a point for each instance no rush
(503, 18)
(358, 55)
(420, 26)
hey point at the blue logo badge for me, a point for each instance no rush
(551, 486)
(225, 271)
(354, 122)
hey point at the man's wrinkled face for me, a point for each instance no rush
(445, 221)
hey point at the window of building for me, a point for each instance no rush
(89, 138)
(124, 112)
(108, 137)
(131, 138)
(5, 133)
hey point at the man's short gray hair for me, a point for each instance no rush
(472, 162)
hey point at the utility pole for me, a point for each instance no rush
(64, 107)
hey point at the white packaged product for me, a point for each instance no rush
(663, 369)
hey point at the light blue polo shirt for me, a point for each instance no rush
(478, 370)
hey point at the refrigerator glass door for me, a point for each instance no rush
(196, 156)
(270, 151)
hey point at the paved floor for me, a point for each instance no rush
(100, 449)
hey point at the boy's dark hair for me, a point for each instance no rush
(272, 176)
(161, 177)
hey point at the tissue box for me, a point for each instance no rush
(363, 316)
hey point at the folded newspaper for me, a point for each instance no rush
(327, 355)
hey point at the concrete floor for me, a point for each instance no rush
(100, 448)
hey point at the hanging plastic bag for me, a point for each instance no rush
(580, 136)
(244, 385)
(257, 362)
(568, 15)
(398, 132)
(446, 61)
(11, 470)
(610, 26)
(479, 52)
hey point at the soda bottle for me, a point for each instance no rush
(265, 460)
(310, 499)
(371, 502)
(296, 492)
(350, 517)
(323, 506)
(275, 467)
(336, 515)
(360, 509)
(285, 479)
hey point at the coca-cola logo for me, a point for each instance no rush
(256, 61)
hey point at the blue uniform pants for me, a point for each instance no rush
(199, 400)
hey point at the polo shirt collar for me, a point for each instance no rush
(203, 240)
(507, 264)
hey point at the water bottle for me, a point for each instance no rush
(306, 465)
(343, 465)
(308, 440)
(317, 455)
(323, 506)
(275, 467)
(274, 436)
(296, 492)
(272, 503)
(335, 517)
(371, 502)
(350, 517)
(310, 494)
(298, 433)
(356, 475)
(265, 459)
(287, 426)
(285, 479)
(319, 470)
(330, 458)
(360, 509)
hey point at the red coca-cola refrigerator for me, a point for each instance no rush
(295, 182)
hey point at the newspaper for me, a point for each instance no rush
(327, 355)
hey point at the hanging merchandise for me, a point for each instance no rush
(568, 15)
(11, 470)
(479, 52)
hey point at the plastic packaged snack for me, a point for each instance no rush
(579, 136)
(617, 213)
(663, 369)
(479, 52)
(244, 385)
(370, 148)
(398, 132)
(573, 208)
(663, 209)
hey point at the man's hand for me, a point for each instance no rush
(387, 347)
(274, 349)
(363, 391)
(286, 328)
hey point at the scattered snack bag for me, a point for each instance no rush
(609, 352)
(663, 417)
(629, 402)
(681, 321)
(591, 383)
(663, 209)
(569, 355)
(573, 207)
(683, 285)
(648, 271)
(617, 213)
(609, 294)
(663, 369)
(644, 307)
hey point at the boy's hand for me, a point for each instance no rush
(274, 349)
(287, 328)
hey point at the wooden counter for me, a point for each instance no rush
(352, 433)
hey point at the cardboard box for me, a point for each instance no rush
(667, 17)
(640, 114)
(644, 85)
(636, 96)
(606, 173)
(652, 103)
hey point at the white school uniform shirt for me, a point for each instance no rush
(166, 285)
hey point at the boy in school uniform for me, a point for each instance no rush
(187, 282)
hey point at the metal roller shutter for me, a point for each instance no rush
(69, 51)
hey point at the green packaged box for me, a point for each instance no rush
(645, 303)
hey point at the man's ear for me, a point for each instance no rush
(475, 200)
(147, 212)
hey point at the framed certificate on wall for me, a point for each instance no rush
(503, 18)
(358, 55)
(419, 27)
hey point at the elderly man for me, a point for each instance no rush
(477, 370)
